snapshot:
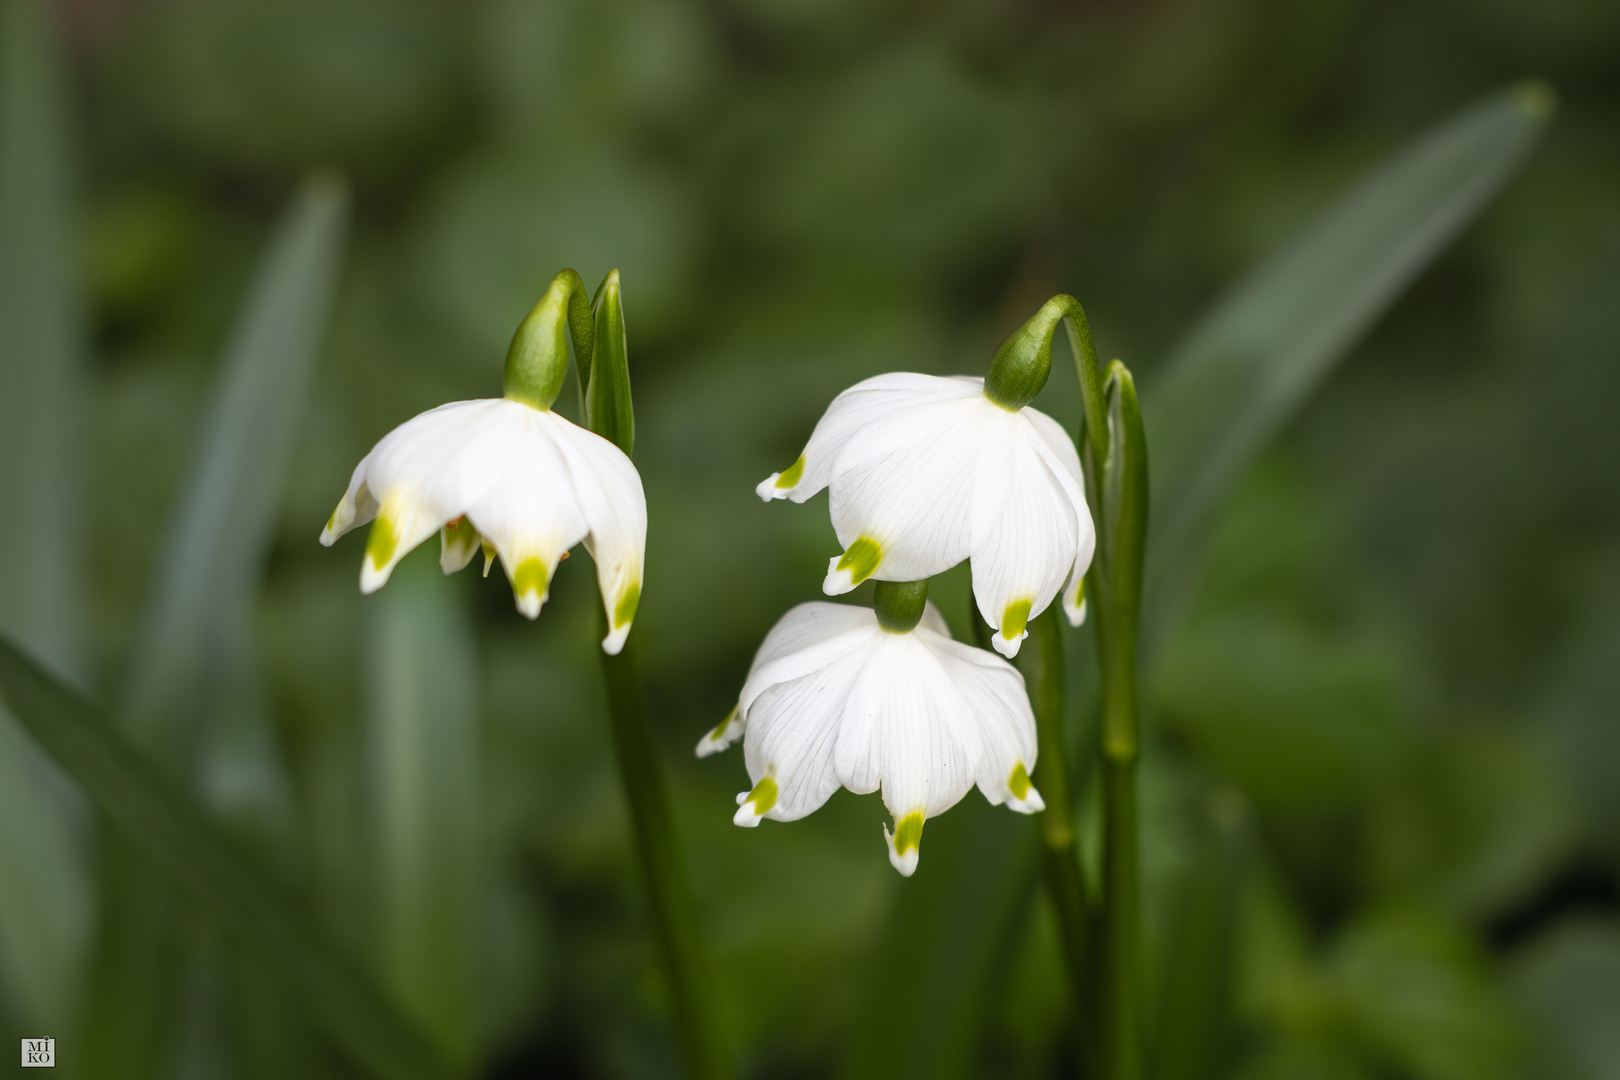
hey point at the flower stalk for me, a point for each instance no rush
(604, 376)
(1117, 484)
(1060, 855)
(1102, 948)
(663, 871)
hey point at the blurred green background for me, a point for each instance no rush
(1381, 803)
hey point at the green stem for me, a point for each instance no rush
(1117, 489)
(669, 896)
(1120, 983)
(1060, 854)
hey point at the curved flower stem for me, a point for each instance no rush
(1060, 855)
(1117, 487)
(669, 896)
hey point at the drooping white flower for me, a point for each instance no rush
(516, 481)
(927, 471)
(834, 699)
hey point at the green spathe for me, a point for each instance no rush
(606, 378)
(537, 360)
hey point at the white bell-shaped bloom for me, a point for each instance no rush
(833, 699)
(927, 471)
(513, 480)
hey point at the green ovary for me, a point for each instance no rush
(1018, 782)
(862, 559)
(763, 796)
(908, 833)
(1014, 619)
(381, 543)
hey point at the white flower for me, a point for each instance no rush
(519, 482)
(925, 472)
(835, 699)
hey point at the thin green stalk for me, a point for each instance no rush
(604, 375)
(674, 916)
(1060, 856)
(1119, 498)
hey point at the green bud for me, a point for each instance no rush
(899, 604)
(537, 360)
(608, 410)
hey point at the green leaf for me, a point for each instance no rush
(222, 529)
(608, 409)
(423, 752)
(194, 626)
(44, 880)
(1253, 359)
(230, 884)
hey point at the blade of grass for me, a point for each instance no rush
(423, 751)
(1245, 368)
(218, 539)
(45, 887)
(1253, 359)
(223, 526)
(230, 884)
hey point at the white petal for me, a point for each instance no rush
(906, 484)
(529, 511)
(999, 707)
(933, 621)
(906, 730)
(1026, 525)
(748, 813)
(805, 625)
(869, 401)
(356, 508)
(418, 477)
(723, 734)
(1064, 454)
(458, 543)
(615, 508)
(794, 707)
(905, 863)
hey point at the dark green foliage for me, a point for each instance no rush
(1381, 836)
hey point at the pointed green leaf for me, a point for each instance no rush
(423, 752)
(239, 893)
(1252, 360)
(222, 528)
(607, 399)
(44, 880)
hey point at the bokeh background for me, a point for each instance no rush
(1382, 817)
